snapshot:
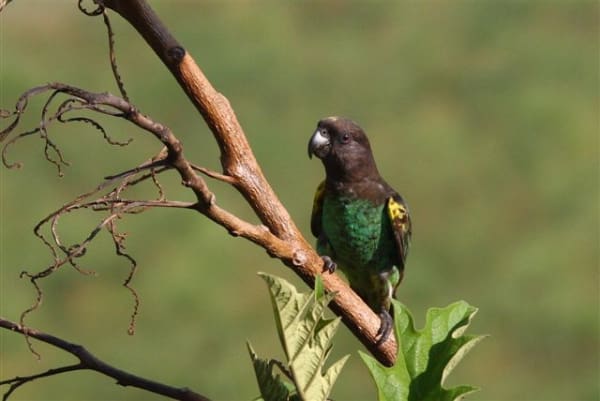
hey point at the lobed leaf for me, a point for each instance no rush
(306, 338)
(427, 356)
(272, 388)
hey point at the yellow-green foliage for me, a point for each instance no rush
(306, 337)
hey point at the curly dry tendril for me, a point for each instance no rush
(97, 11)
(109, 195)
(52, 152)
(101, 10)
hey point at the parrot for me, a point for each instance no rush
(362, 225)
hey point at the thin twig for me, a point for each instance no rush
(88, 361)
(18, 381)
(113, 56)
(214, 174)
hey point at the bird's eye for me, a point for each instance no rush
(345, 138)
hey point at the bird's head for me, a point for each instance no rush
(344, 149)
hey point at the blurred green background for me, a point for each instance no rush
(483, 114)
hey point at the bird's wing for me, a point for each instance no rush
(315, 218)
(401, 225)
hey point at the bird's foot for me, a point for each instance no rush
(329, 264)
(385, 329)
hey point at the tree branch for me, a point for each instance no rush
(88, 361)
(278, 234)
(283, 239)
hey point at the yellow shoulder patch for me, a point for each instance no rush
(401, 226)
(397, 211)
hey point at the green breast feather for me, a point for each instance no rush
(359, 233)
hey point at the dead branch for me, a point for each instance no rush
(88, 361)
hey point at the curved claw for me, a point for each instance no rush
(329, 264)
(386, 327)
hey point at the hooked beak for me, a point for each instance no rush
(319, 144)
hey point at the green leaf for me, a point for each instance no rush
(425, 357)
(306, 337)
(319, 290)
(272, 388)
